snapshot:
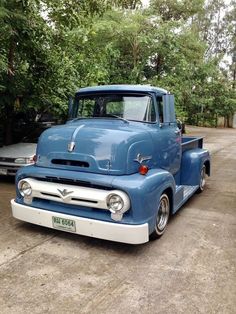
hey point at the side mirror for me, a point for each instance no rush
(168, 108)
(181, 126)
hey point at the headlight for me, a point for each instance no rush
(24, 188)
(118, 203)
(25, 161)
(20, 161)
(115, 203)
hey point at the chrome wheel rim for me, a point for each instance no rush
(163, 213)
(203, 178)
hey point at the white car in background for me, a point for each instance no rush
(12, 157)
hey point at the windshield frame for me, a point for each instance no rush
(118, 93)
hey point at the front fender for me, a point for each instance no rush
(145, 192)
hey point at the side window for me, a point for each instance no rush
(160, 109)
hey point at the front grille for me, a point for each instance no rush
(83, 200)
(6, 159)
(50, 194)
(75, 182)
(67, 194)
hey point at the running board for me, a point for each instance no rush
(189, 190)
(182, 194)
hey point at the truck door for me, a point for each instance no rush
(167, 139)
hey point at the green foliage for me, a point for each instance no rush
(50, 48)
(170, 10)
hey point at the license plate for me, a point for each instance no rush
(63, 224)
(3, 172)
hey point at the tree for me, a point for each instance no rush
(32, 74)
(50, 48)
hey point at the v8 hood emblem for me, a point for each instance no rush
(64, 192)
(141, 158)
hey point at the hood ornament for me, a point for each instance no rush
(141, 158)
(108, 165)
(71, 146)
(64, 192)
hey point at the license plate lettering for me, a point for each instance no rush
(3, 171)
(63, 224)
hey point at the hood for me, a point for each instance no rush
(25, 150)
(100, 146)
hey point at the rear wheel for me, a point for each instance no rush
(202, 182)
(162, 218)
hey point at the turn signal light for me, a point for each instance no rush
(143, 169)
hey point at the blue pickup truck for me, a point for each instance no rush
(117, 170)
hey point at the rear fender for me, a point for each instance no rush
(191, 165)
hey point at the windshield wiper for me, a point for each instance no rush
(115, 116)
(80, 118)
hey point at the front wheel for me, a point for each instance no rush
(163, 214)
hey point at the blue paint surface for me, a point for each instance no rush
(105, 156)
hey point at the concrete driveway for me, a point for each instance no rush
(191, 269)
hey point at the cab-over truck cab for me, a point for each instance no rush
(116, 170)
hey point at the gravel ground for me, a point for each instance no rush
(191, 269)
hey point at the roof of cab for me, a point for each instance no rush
(125, 88)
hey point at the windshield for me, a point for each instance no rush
(129, 107)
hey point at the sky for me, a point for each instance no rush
(145, 2)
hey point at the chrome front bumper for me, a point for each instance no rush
(132, 234)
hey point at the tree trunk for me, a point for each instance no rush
(9, 105)
(8, 131)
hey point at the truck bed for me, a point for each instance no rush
(191, 142)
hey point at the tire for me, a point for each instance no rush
(202, 182)
(162, 218)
